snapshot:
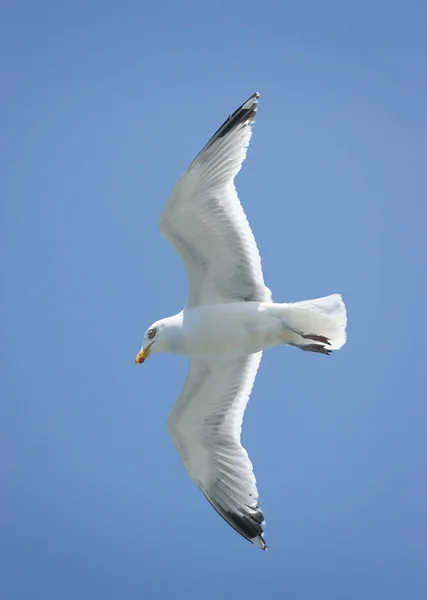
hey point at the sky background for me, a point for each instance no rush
(103, 105)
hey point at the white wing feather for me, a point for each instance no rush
(205, 425)
(205, 222)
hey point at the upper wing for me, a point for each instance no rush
(204, 220)
(205, 426)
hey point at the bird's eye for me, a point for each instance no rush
(151, 333)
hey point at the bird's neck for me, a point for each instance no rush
(172, 329)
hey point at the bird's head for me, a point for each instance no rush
(154, 341)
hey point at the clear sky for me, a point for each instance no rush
(103, 105)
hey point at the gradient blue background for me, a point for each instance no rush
(103, 105)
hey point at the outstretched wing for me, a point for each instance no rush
(205, 425)
(205, 222)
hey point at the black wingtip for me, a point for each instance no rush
(248, 525)
(242, 116)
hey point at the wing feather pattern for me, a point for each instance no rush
(205, 222)
(205, 425)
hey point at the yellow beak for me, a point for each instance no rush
(142, 354)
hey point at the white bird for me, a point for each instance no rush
(229, 319)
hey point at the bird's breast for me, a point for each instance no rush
(233, 329)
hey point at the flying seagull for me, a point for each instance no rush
(228, 320)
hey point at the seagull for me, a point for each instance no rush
(227, 322)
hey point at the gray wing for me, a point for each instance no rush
(205, 222)
(205, 425)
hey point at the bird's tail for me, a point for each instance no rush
(324, 316)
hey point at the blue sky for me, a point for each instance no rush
(103, 105)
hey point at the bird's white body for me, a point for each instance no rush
(227, 330)
(229, 319)
(236, 329)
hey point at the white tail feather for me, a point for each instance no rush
(324, 316)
